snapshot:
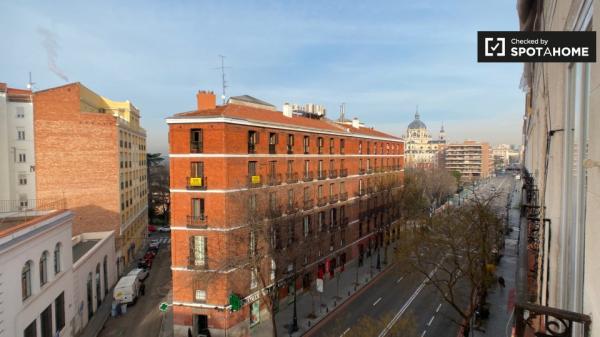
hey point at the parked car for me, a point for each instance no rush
(164, 229)
(154, 244)
(141, 273)
(151, 229)
(127, 289)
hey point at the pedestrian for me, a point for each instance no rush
(501, 281)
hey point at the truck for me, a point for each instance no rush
(127, 289)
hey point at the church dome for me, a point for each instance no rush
(417, 123)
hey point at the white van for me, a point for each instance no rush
(141, 273)
(127, 289)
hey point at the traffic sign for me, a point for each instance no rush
(163, 306)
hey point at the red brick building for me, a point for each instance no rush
(328, 190)
(91, 151)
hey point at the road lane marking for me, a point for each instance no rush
(424, 332)
(405, 306)
(379, 299)
(345, 332)
(400, 279)
(431, 320)
(438, 308)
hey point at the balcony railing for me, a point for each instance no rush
(274, 211)
(369, 170)
(333, 174)
(251, 148)
(360, 192)
(254, 181)
(196, 183)
(291, 178)
(195, 147)
(292, 208)
(322, 201)
(322, 175)
(344, 196)
(333, 198)
(343, 172)
(550, 321)
(198, 221)
(361, 171)
(290, 149)
(308, 176)
(308, 204)
(274, 179)
(272, 148)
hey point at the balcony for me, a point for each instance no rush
(361, 171)
(274, 179)
(333, 198)
(291, 178)
(369, 171)
(197, 221)
(195, 147)
(196, 183)
(308, 204)
(272, 149)
(274, 211)
(344, 221)
(254, 181)
(308, 176)
(322, 175)
(333, 174)
(292, 208)
(251, 148)
(306, 150)
(321, 201)
(343, 172)
(360, 193)
(344, 196)
(290, 149)
(536, 320)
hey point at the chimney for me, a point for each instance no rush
(355, 123)
(206, 100)
(287, 109)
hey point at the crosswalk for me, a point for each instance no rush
(165, 240)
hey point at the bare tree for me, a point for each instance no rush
(158, 188)
(453, 249)
(368, 326)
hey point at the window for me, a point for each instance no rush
(22, 158)
(290, 197)
(306, 144)
(320, 191)
(331, 145)
(321, 221)
(90, 296)
(57, 251)
(360, 147)
(331, 165)
(98, 287)
(342, 146)
(331, 190)
(272, 168)
(26, 280)
(306, 193)
(320, 145)
(198, 244)
(306, 225)
(197, 209)
(252, 141)
(200, 296)
(273, 140)
(31, 330)
(290, 144)
(196, 145)
(46, 322)
(20, 112)
(196, 169)
(59, 307)
(290, 168)
(22, 179)
(252, 202)
(374, 148)
(306, 167)
(251, 168)
(44, 268)
(105, 273)
(20, 134)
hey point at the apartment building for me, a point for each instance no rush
(472, 159)
(91, 151)
(558, 266)
(17, 155)
(322, 193)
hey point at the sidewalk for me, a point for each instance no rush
(501, 300)
(326, 302)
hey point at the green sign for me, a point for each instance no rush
(163, 306)
(235, 302)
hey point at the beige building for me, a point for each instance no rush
(472, 159)
(421, 149)
(561, 197)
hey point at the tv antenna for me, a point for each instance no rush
(223, 80)
(342, 112)
(30, 83)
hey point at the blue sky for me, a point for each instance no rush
(380, 58)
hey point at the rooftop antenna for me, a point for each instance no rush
(223, 80)
(30, 83)
(342, 112)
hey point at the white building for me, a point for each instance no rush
(562, 173)
(421, 149)
(505, 155)
(17, 156)
(51, 283)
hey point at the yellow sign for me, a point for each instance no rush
(256, 179)
(195, 181)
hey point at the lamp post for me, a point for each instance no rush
(295, 315)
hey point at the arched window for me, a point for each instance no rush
(26, 280)
(98, 295)
(44, 268)
(105, 271)
(57, 266)
(90, 296)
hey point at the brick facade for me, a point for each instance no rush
(226, 186)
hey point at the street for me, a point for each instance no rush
(394, 296)
(143, 319)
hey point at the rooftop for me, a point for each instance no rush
(82, 247)
(14, 217)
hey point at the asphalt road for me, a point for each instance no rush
(143, 319)
(394, 297)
